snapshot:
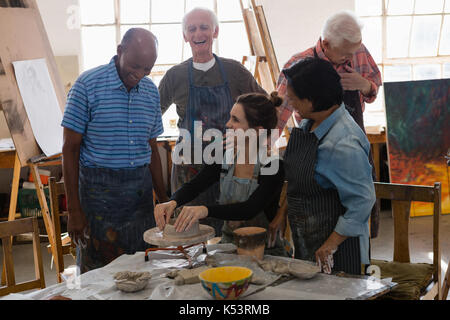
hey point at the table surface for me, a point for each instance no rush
(99, 284)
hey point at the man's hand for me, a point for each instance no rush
(163, 212)
(352, 80)
(188, 216)
(77, 227)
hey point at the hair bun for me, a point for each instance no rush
(276, 99)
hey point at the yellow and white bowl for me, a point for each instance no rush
(226, 283)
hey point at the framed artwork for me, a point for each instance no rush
(418, 136)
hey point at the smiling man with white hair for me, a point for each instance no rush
(203, 88)
(341, 44)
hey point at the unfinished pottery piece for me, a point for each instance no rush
(303, 269)
(250, 241)
(157, 237)
(275, 266)
(186, 276)
(129, 281)
(169, 231)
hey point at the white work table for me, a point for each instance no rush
(99, 284)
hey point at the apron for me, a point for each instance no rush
(234, 190)
(353, 105)
(212, 106)
(313, 211)
(119, 208)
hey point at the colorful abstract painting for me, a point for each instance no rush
(418, 128)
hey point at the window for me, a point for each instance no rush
(104, 22)
(409, 39)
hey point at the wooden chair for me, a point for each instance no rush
(63, 245)
(7, 231)
(446, 284)
(415, 280)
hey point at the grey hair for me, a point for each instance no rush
(341, 26)
(213, 16)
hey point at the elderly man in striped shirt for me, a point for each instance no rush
(111, 122)
(341, 44)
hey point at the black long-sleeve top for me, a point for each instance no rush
(265, 197)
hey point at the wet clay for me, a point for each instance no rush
(170, 232)
(186, 276)
(276, 266)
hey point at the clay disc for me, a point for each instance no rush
(156, 237)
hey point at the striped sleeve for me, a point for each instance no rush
(158, 128)
(76, 112)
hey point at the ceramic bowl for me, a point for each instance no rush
(226, 283)
(250, 241)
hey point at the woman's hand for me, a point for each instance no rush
(188, 216)
(324, 255)
(277, 228)
(163, 212)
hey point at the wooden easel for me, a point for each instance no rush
(261, 46)
(263, 60)
(24, 38)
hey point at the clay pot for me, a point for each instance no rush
(250, 241)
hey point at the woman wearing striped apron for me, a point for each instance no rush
(330, 188)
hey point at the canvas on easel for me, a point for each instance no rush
(418, 136)
(24, 38)
(261, 46)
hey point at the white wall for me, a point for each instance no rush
(65, 41)
(296, 25)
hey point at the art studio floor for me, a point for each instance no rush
(382, 247)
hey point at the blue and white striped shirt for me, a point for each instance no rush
(116, 124)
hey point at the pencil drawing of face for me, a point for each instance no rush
(33, 80)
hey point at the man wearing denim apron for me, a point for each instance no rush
(204, 88)
(111, 123)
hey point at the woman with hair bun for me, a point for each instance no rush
(248, 197)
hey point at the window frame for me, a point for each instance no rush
(118, 24)
(413, 61)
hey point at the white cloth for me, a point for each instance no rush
(204, 66)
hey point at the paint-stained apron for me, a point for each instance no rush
(119, 208)
(353, 105)
(235, 190)
(211, 105)
(313, 211)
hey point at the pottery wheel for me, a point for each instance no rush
(156, 237)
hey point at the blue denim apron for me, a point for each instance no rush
(235, 190)
(211, 105)
(119, 208)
